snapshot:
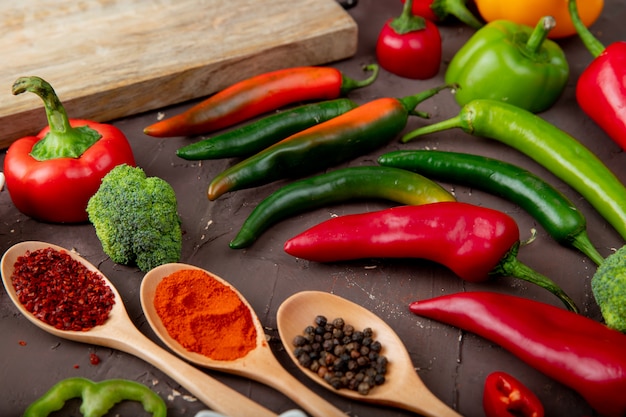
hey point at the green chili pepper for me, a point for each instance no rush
(337, 140)
(549, 146)
(254, 137)
(97, 397)
(555, 212)
(388, 183)
(510, 62)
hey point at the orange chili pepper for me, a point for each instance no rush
(337, 140)
(528, 12)
(258, 95)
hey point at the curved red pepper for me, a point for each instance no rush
(575, 350)
(505, 396)
(409, 46)
(51, 176)
(258, 95)
(601, 89)
(475, 242)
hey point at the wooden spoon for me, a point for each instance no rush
(403, 388)
(119, 332)
(259, 364)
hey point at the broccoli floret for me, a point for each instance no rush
(609, 289)
(136, 218)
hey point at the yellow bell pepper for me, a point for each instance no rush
(528, 12)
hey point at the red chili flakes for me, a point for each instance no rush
(94, 359)
(22, 342)
(61, 291)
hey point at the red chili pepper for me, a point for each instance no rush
(505, 396)
(601, 90)
(258, 95)
(440, 10)
(51, 176)
(575, 350)
(409, 46)
(474, 242)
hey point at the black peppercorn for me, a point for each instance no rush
(342, 356)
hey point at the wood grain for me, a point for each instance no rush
(108, 59)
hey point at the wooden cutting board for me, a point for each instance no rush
(108, 59)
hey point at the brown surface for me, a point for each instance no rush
(105, 58)
(452, 364)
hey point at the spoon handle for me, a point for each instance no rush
(417, 398)
(210, 391)
(274, 375)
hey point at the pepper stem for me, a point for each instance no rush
(63, 140)
(582, 242)
(454, 122)
(539, 34)
(511, 266)
(407, 21)
(456, 8)
(411, 102)
(349, 84)
(591, 42)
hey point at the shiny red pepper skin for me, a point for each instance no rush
(575, 350)
(258, 95)
(57, 190)
(601, 92)
(416, 231)
(505, 396)
(410, 46)
(601, 88)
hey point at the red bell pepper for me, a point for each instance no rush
(601, 88)
(505, 396)
(51, 176)
(575, 350)
(440, 10)
(409, 46)
(475, 242)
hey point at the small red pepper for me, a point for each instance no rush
(475, 242)
(505, 396)
(601, 90)
(409, 46)
(440, 10)
(258, 95)
(51, 176)
(574, 350)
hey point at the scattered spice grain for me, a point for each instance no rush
(204, 315)
(60, 291)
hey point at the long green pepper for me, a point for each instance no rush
(97, 397)
(256, 136)
(393, 184)
(357, 132)
(555, 212)
(547, 145)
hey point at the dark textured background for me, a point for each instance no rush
(453, 364)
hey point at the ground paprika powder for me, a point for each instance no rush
(204, 315)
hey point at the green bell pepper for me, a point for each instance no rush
(97, 397)
(510, 62)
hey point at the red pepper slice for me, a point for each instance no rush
(258, 95)
(51, 176)
(577, 351)
(474, 242)
(601, 90)
(505, 396)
